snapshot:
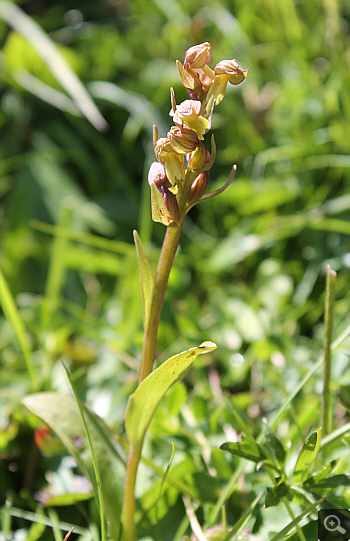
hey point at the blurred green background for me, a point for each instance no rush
(250, 273)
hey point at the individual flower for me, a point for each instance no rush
(226, 71)
(183, 140)
(173, 161)
(199, 187)
(231, 68)
(199, 158)
(157, 176)
(165, 208)
(198, 56)
(190, 114)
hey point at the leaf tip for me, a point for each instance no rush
(208, 344)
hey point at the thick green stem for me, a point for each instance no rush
(329, 316)
(129, 495)
(165, 262)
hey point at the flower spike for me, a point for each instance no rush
(180, 178)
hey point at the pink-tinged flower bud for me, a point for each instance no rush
(183, 140)
(198, 56)
(190, 114)
(199, 158)
(165, 208)
(172, 205)
(199, 187)
(174, 162)
(157, 176)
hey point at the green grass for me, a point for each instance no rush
(250, 274)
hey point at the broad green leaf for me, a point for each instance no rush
(146, 278)
(159, 211)
(307, 456)
(274, 446)
(61, 413)
(247, 449)
(147, 396)
(275, 494)
(326, 471)
(333, 481)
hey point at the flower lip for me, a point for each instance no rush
(231, 68)
(191, 114)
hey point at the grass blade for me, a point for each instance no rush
(94, 461)
(327, 367)
(12, 315)
(33, 33)
(294, 523)
(241, 522)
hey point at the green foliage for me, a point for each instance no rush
(249, 273)
(60, 412)
(146, 278)
(307, 456)
(147, 396)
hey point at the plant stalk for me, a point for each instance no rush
(327, 366)
(129, 494)
(165, 262)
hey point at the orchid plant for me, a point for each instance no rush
(178, 181)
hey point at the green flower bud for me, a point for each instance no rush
(199, 158)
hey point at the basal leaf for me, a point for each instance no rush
(147, 396)
(307, 456)
(146, 278)
(61, 413)
(247, 449)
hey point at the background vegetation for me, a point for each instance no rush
(250, 274)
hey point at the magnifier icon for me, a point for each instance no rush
(332, 524)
